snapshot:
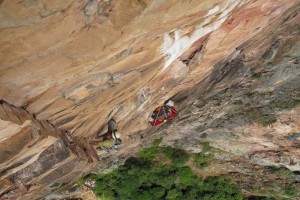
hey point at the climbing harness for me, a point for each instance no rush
(112, 139)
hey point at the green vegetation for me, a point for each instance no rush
(290, 191)
(84, 179)
(150, 153)
(260, 198)
(140, 179)
(256, 115)
(80, 181)
(202, 159)
(279, 185)
(147, 178)
(206, 146)
(286, 104)
(178, 156)
(281, 172)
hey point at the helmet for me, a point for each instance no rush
(116, 135)
(151, 119)
(112, 125)
(169, 103)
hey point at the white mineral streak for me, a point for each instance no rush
(173, 48)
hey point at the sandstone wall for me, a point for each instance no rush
(67, 67)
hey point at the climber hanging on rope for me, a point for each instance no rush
(111, 139)
(163, 113)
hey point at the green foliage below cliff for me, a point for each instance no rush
(147, 178)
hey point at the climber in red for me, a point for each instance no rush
(163, 113)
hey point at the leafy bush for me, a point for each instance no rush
(178, 156)
(86, 178)
(156, 142)
(290, 191)
(150, 153)
(80, 181)
(140, 178)
(202, 160)
(282, 172)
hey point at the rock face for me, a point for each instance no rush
(67, 67)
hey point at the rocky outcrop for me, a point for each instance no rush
(67, 67)
(36, 157)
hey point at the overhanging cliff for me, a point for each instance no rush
(67, 67)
